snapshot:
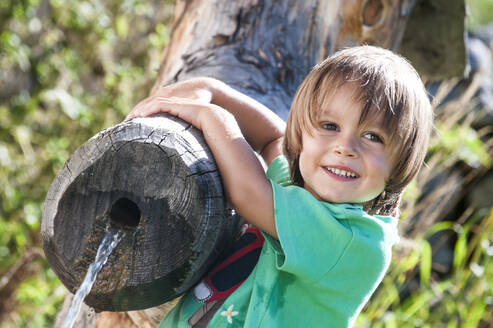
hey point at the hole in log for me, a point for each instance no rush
(372, 12)
(125, 213)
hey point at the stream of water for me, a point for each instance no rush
(110, 241)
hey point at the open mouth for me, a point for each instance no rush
(345, 174)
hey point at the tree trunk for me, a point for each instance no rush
(265, 48)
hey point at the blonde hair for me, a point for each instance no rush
(386, 84)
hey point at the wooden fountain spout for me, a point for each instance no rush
(156, 179)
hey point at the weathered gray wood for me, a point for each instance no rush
(434, 38)
(263, 48)
(266, 48)
(161, 167)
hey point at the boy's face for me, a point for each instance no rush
(343, 161)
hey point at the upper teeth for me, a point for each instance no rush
(343, 173)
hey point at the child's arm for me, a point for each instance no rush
(243, 176)
(261, 127)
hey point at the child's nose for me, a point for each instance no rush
(345, 149)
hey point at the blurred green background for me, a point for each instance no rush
(69, 69)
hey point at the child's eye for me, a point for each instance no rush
(329, 126)
(374, 137)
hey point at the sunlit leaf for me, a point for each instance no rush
(425, 263)
(460, 250)
(121, 26)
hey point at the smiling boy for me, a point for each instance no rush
(328, 202)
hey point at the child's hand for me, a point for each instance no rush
(195, 89)
(189, 110)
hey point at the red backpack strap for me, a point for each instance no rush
(232, 268)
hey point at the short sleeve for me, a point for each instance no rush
(278, 171)
(311, 239)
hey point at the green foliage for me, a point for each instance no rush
(463, 142)
(68, 69)
(480, 12)
(462, 299)
(41, 294)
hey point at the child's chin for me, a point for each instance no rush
(343, 198)
(337, 200)
(347, 200)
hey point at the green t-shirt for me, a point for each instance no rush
(328, 261)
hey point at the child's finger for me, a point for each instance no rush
(185, 109)
(146, 107)
(136, 111)
(186, 89)
(153, 105)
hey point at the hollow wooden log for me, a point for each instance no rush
(155, 179)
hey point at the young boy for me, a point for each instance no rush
(356, 135)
